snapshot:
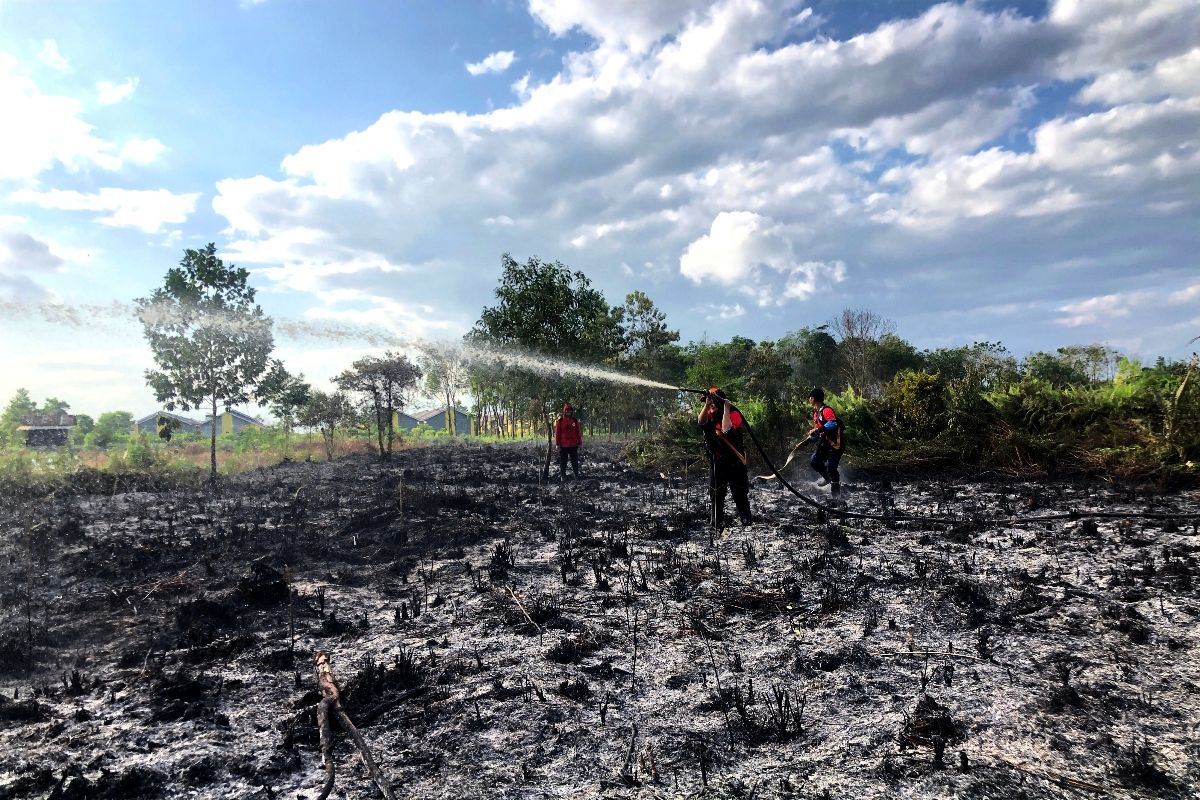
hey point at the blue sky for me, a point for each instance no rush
(1015, 171)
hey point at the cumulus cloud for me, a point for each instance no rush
(21, 252)
(712, 136)
(1178, 76)
(722, 311)
(1104, 307)
(109, 93)
(147, 210)
(633, 23)
(50, 55)
(43, 130)
(22, 256)
(496, 62)
(751, 254)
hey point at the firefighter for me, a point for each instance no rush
(723, 430)
(568, 436)
(827, 431)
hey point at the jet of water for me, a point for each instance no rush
(91, 316)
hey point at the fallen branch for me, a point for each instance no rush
(331, 704)
(521, 606)
(1061, 780)
(928, 653)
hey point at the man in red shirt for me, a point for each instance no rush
(723, 438)
(827, 431)
(568, 435)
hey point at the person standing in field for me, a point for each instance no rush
(827, 431)
(568, 436)
(724, 440)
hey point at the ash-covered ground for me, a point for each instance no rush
(496, 637)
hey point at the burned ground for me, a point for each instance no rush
(497, 637)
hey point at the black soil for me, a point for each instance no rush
(497, 637)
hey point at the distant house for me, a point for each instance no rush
(150, 423)
(47, 430)
(231, 421)
(434, 418)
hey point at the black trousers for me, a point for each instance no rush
(825, 461)
(563, 454)
(726, 473)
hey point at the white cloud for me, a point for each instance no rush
(142, 151)
(634, 23)
(43, 130)
(496, 62)
(50, 55)
(109, 93)
(750, 253)
(1096, 159)
(148, 210)
(720, 310)
(1188, 294)
(20, 252)
(1179, 77)
(1104, 307)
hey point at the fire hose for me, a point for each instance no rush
(833, 510)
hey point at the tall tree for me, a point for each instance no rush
(858, 331)
(446, 375)
(210, 340)
(53, 406)
(19, 405)
(552, 310)
(113, 427)
(327, 412)
(812, 355)
(383, 386)
(284, 393)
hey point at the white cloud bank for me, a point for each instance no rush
(724, 138)
(43, 130)
(147, 210)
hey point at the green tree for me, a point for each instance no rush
(894, 355)
(383, 386)
(720, 364)
(446, 375)
(53, 406)
(19, 405)
(113, 427)
(284, 394)
(327, 412)
(551, 310)
(649, 349)
(812, 355)
(210, 340)
(1055, 370)
(83, 426)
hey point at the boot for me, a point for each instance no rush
(717, 517)
(835, 492)
(743, 507)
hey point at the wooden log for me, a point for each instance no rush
(331, 705)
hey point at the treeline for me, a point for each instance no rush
(1079, 408)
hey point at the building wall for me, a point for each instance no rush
(47, 437)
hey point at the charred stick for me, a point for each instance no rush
(521, 606)
(331, 703)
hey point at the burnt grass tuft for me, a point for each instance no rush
(494, 636)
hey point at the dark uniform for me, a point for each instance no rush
(830, 446)
(727, 465)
